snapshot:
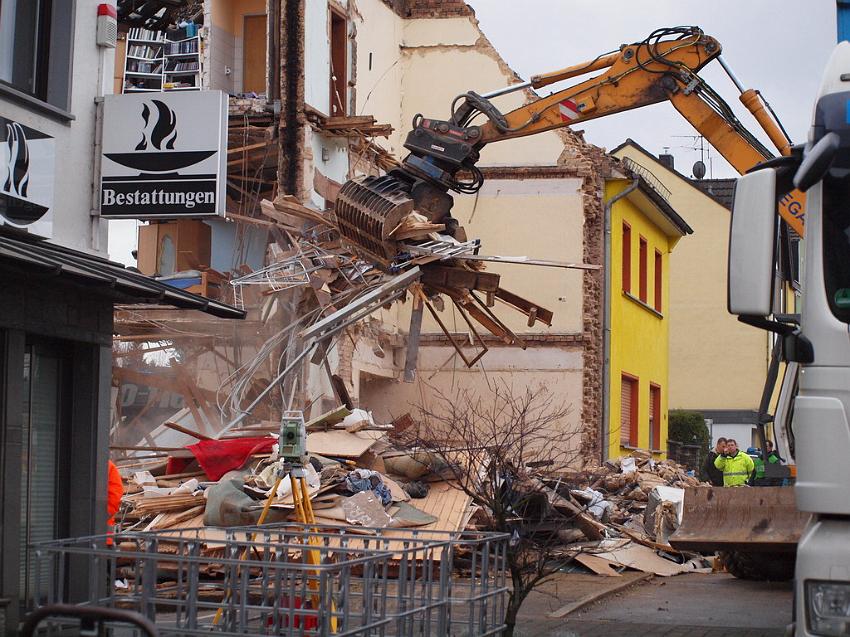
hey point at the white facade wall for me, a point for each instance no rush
(70, 221)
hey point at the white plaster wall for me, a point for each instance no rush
(222, 46)
(535, 218)
(379, 84)
(317, 58)
(336, 165)
(440, 32)
(555, 370)
(71, 223)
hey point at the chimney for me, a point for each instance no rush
(666, 160)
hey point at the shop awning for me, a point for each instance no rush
(40, 257)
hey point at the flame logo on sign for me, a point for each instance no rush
(162, 130)
(17, 179)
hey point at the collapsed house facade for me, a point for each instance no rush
(342, 83)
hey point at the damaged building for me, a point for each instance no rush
(341, 84)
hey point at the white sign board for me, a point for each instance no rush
(27, 174)
(164, 155)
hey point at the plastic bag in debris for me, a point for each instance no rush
(628, 465)
(366, 480)
(597, 505)
(267, 477)
(357, 416)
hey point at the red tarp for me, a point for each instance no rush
(217, 457)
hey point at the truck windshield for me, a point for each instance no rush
(836, 245)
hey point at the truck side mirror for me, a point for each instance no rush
(816, 162)
(752, 244)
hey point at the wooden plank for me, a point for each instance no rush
(526, 307)
(186, 430)
(455, 277)
(247, 148)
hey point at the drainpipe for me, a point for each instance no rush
(606, 319)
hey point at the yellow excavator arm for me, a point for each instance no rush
(648, 73)
(444, 153)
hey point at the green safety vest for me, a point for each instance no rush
(737, 470)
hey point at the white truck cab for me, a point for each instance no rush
(820, 428)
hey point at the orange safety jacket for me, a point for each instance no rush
(115, 492)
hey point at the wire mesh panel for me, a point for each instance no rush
(284, 580)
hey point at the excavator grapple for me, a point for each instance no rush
(367, 210)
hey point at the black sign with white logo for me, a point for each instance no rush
(163, 155)
(26, 173)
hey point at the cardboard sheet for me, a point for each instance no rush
(638, 557)
(341, 444)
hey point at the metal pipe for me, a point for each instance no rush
(731, 74)
(602, 62)
(606, 319)
(506, 90)
(247, 411)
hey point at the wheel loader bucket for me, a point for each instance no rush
(739, 519)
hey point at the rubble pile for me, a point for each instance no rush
(356, 476)
(606, 518)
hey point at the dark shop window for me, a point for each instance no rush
(35, 48)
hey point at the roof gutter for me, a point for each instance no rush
(606, 320)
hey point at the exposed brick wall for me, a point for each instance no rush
(592, 165)
(429, 8)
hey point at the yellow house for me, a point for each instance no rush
(717, 364)
(644, 229)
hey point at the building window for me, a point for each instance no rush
(654, 416)
(339, 63)
(658, 279)
(44, 477)
(35, 48)
(627, 257)
(642, 265)
(628, 411)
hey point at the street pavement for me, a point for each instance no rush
(691, 605)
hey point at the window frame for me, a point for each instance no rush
(654, 417)
(659, 283)
(643, 250)
(340, 84)
(633, 431)
(53, 96)
(626, 266)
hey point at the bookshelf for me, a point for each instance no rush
(154, 63)
(182, 69)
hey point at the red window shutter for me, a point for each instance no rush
(628, 410)
(625, 411)
(658, 278)
(654, 417)
(627, 257)
(643, 266)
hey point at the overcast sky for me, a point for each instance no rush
(776, 46)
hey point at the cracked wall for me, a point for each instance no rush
(542, 198)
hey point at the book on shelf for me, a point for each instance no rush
(144, 51)
(144, 34)
(136, 66)
(186, 47)
(187, 67)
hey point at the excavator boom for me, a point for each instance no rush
(443, 154)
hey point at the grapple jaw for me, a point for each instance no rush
(369, 208)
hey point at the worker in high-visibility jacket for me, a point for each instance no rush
(737, 467)
(114, 493)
